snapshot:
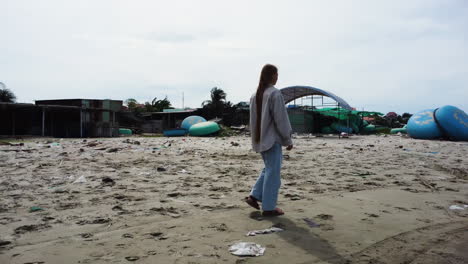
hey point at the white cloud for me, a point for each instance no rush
(380, 55)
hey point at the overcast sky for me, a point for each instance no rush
(378, 55)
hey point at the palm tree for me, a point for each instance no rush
(160, 105)
(218, 97)
(6, 95)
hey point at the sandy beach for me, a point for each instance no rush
(373, 199)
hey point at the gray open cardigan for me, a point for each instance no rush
(275, 126)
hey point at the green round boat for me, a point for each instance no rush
(398, 130)
(369, 129)
(125, 131)
(204, 128)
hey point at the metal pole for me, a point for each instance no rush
(43, 121)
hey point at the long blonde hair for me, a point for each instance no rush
(266, 79)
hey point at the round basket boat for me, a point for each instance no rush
(191, 120)
(204, 128)
(422, 125)
(175, 132)
(125, 131)
(369, 129)
(453, 122)
(398, 130)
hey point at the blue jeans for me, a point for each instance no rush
(268, 183)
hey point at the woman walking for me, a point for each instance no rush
(270, 129)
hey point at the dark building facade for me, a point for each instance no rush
(61, 118)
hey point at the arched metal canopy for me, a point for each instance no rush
(293, 92)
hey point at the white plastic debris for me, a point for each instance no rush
(247, 249)
(81, 179)
(458, 207)
(264, 231)
(183, 171)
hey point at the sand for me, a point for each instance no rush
(375, 199)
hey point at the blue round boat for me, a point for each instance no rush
(422, 125)
(191, 120)
(453, 121)
(178, 132)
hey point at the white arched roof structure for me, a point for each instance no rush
(293, 92)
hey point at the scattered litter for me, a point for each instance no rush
(94, 222)
(35, 209)
(264, 231)
(247, 249)
(55, 144)
(161, 169)
(458, 207)
(92, 144)
(234, 144)
(238, 127)
(183, 171)
(129, 141)
(81, 179)
(162, 147)
(86, 235)
(112, 150)
(324, 216)
(4, 243)
(132, 258)
(30, 228)
(293, 197)
(108, 181)
(310, 222)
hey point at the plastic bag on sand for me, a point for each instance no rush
(247, 249)
(80, 179)
(458, 207)
(264, 231)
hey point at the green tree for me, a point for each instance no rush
(157, 105)
(160, 105)
(131, 103)
(217, 106)
(6, 95)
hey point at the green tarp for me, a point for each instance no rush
(344, 114)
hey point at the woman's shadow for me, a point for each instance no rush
(304, 239)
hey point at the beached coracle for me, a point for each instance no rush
(446, 122)
(125, 131)
(453, 122)
(398, 130)
(204, 128)
(191, 120)
(422, 125)
(178, 132)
